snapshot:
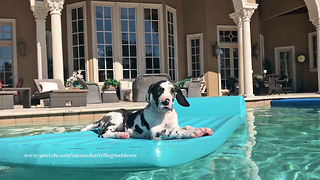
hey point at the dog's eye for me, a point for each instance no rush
(172, 90)
(160, 90)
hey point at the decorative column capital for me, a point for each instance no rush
(40, 12)
(246, 13)
(316, 23)
(55, 6)
(237, 19)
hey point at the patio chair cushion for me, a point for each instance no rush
(38, 82)
(48, 86)
(125, 87)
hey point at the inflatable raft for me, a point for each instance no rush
(295, 102)
(86, 150)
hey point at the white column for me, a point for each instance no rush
(57, 56)
(40, 13)
(246, 14)
(237, 19)
(316, 23)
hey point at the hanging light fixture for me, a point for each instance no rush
(216, 50)
(255, 50)
(22, 47)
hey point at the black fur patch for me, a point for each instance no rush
(105, 120)
(144, 122)
(129, 122)
(158, 134)
(125, 114)
(156, 90)
(105, 128)
(138, 129)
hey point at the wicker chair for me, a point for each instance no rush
(141, 85)
(232, 81)
(58, 95)
(94, 95)
(192, 88)
(274, 85)
(262, 86)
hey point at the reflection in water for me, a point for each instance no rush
(253, 169)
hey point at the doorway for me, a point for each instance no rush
(286, 66)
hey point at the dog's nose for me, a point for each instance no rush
(166, 101)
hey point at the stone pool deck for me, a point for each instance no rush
(42, 116)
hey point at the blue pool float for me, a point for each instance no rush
(295, 102)
(85, 150)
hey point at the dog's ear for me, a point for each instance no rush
(149, 93)
(148, 97)
(181, 99)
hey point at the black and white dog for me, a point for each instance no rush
(158, 120)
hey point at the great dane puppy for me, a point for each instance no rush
(158, 120)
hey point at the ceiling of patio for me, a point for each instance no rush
(273, 8)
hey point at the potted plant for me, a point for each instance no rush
(72, 81)
(258, 77)
(181, 83)
(110, 84)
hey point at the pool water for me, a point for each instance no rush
(276, 143)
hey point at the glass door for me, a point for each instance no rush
(228, 65)
(285, 66)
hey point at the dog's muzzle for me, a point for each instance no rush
(165, 102)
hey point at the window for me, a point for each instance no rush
(5, 32)
(313, 51)
(6, 65)
(128, 39)
(7, 45)
(228, 36)
(172, 42)
(151, 30)
(77, 38)
(104, 42)
(228, 64)
(129, 42)
(195, 55)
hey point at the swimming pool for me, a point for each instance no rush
(276, 143)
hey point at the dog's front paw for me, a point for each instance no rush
(206, 131)
(123, 135)
(194, 133)
(199, 132)
(117, 135)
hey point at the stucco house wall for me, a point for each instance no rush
(291, 30)
(25, 28)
